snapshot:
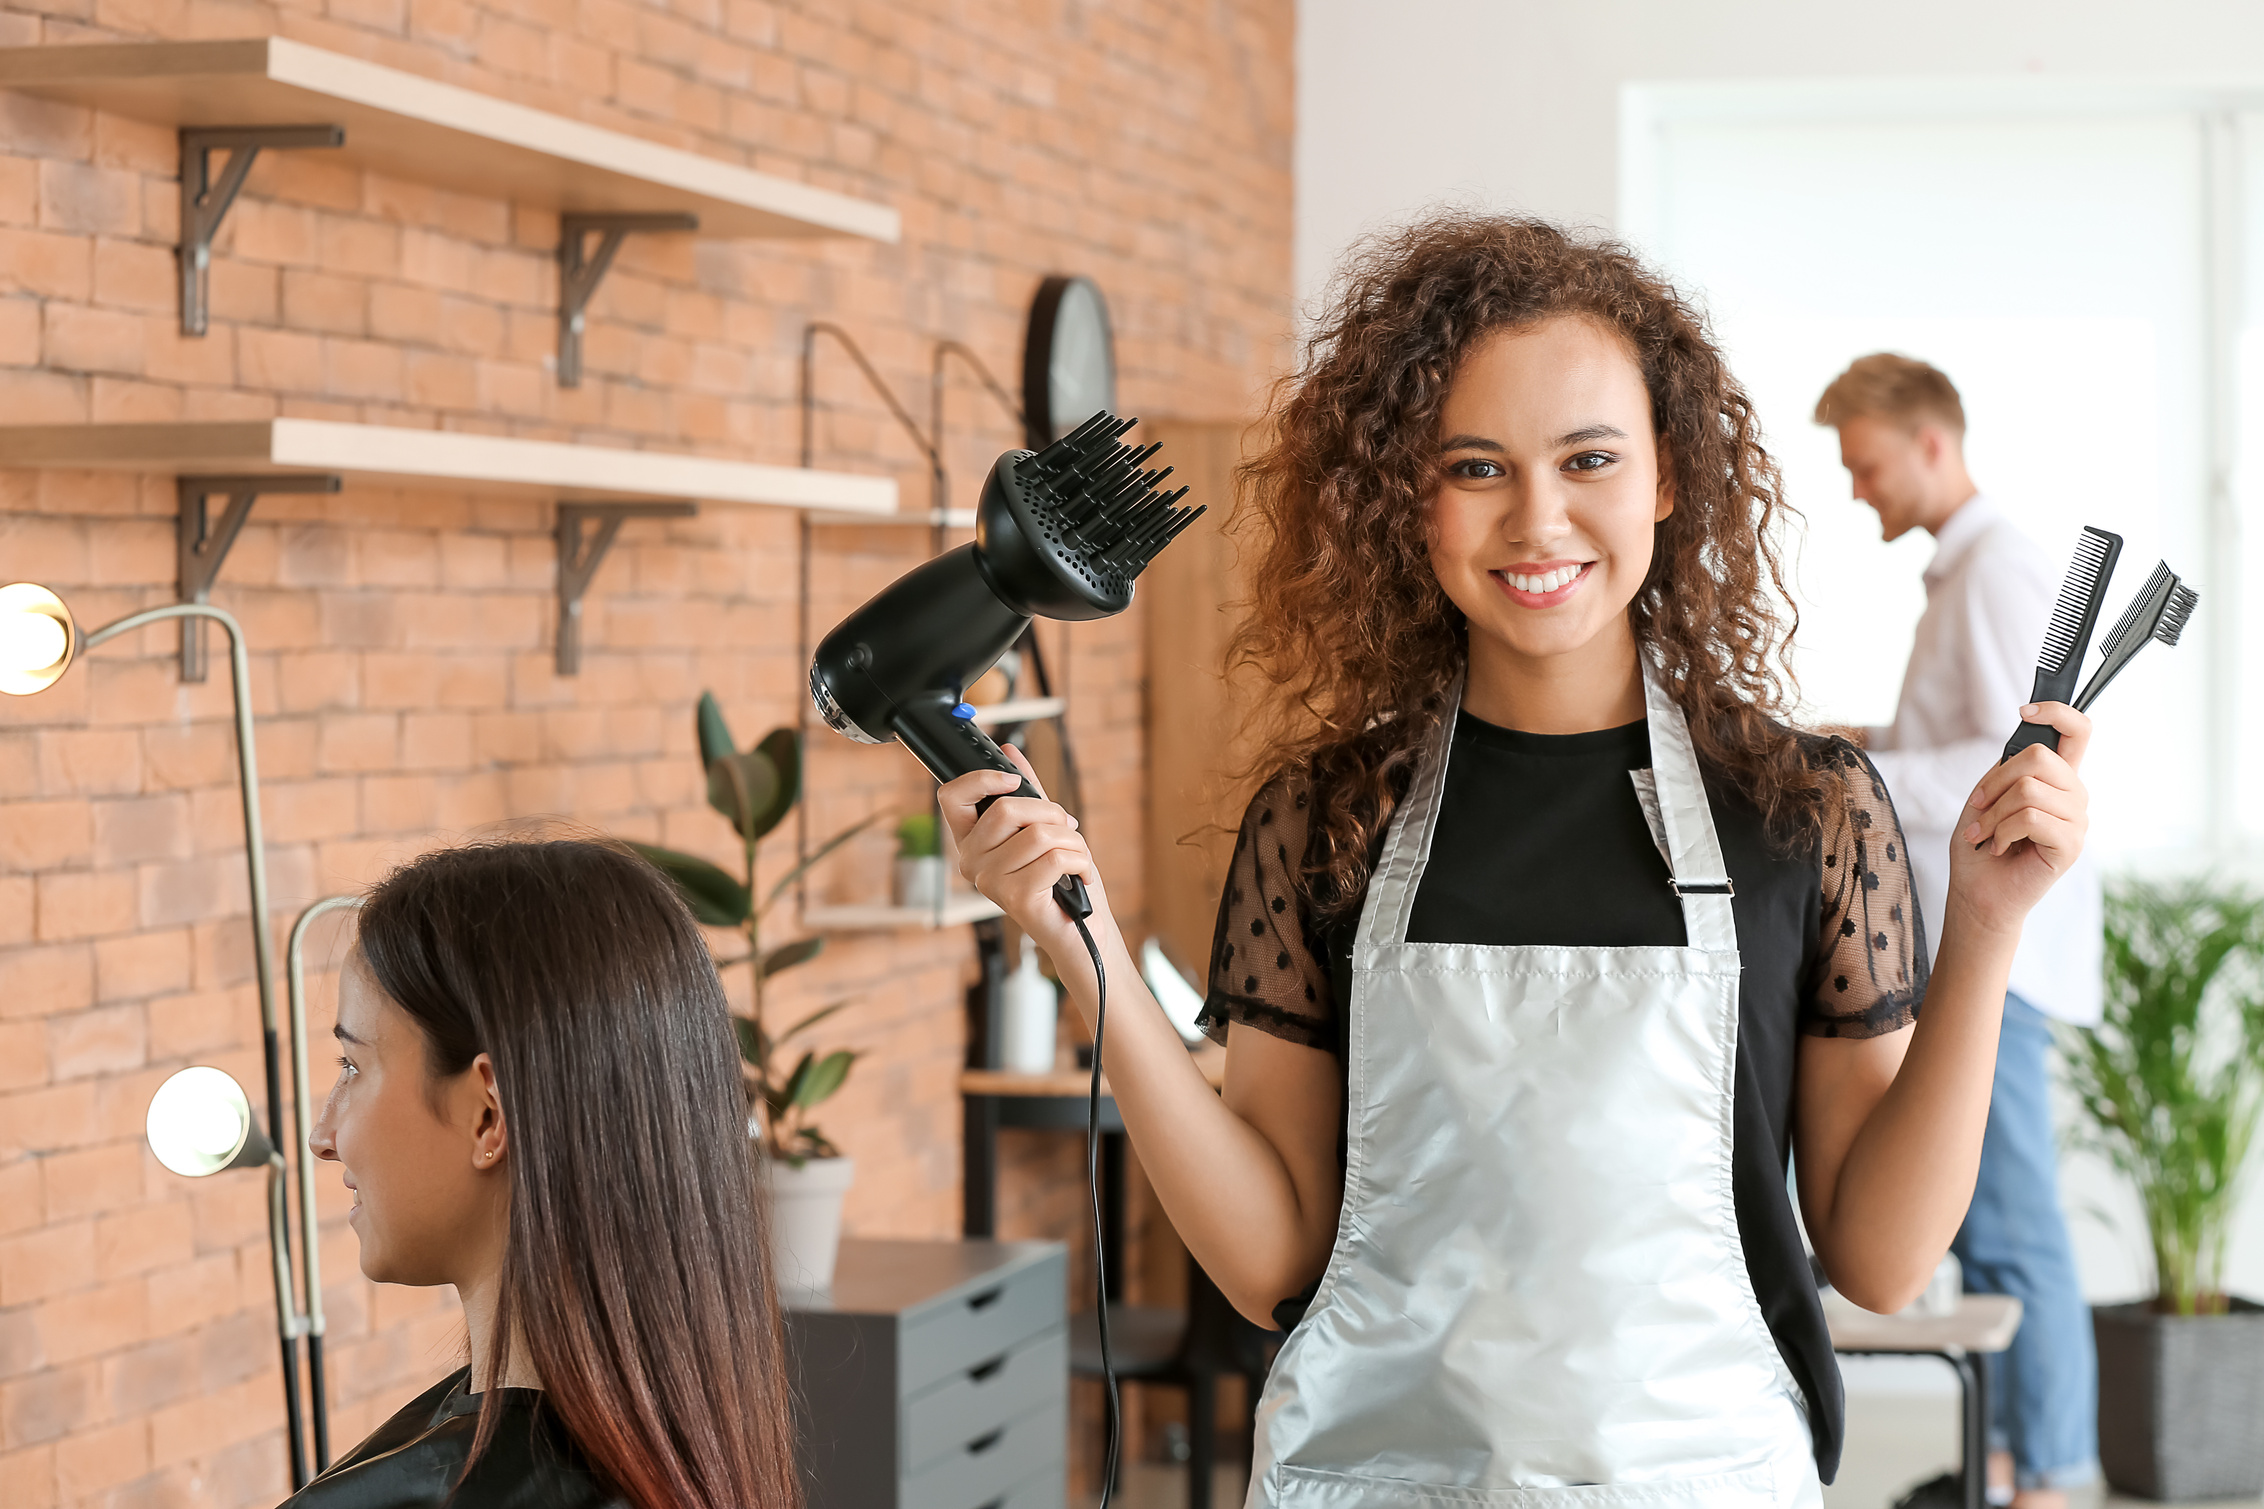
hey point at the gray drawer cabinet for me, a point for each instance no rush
(936, 1376)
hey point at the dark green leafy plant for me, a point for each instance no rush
(756, 789)
(2173, 1077)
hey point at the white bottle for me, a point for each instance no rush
(1033, 1009)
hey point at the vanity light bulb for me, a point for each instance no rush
(36, 638)
(31, 641)
(199, 1122)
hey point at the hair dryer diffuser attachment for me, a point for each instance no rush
(1064, 531)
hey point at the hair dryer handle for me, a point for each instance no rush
(950, 745)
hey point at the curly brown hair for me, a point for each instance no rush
(1348, 625)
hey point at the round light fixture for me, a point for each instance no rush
(37, 638)
(200, 1123)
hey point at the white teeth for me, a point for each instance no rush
(1543, 584)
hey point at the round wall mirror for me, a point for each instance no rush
(1068, 360)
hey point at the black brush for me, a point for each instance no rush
(2158, 612)
(2068, 637)
(1059, 533)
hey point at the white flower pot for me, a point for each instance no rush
(805, 1222)
(920, 881)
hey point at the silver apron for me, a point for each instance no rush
(1538, 1295)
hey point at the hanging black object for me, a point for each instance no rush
(1068, 360)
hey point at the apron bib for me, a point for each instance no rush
(1537, 1295)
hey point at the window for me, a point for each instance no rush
(2069, 260)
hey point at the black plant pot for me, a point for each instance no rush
(2181, 1401)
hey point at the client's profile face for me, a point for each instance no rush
(423, 1155)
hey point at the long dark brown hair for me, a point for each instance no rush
(1347, 623)
(635, 1272)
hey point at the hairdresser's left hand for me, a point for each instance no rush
(2022, 828)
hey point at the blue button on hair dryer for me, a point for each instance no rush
(1059, 533)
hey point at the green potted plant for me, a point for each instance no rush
(2172, 1082)
(919, 861)
(756, 790)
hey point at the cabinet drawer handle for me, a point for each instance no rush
(986, 1299)
(982, 1371)
(981, 1444)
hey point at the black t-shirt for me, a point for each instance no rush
(1541, 840)
(413, 1460)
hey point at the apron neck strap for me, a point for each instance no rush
(1407, 846)
(1694, 850)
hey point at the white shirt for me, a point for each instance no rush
(1989, 594)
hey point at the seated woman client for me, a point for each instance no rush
(539, 1102)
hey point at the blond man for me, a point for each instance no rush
(1989, 594)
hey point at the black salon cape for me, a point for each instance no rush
(412, 1461)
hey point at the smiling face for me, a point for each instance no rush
(1541, 532)
(425, 1157)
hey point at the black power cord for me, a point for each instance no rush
(1093, 1187)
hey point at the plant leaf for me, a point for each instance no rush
(714, 734)
(742, 787)
(782, 748)
(790, 1092)
(800, 951)
(816, 1017)
(786, 881)
(822, 1079)
(714, 897)
(750, 1039)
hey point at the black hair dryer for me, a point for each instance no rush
(1059, 533)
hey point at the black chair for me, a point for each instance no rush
(1188, 1349)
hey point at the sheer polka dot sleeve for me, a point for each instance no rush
(1266, 965)
(1870, 974)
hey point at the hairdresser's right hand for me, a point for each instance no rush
(1014, 852)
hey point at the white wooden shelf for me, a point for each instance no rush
(957, 910)
(416, 128)
(1019, 710)
(386, 455)
(949, 518)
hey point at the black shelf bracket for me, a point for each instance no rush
(203, 545)
(578, 561)
(580, 270)
(205, 197)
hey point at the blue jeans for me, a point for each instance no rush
(2044, 1392)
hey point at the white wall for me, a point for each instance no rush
(1515, 103)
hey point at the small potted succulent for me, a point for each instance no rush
(2172, 1082)
(756, 789)
(920, 875)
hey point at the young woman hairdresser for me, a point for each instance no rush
(1548, 942)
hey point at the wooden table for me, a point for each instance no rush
(992, 1099)
(1983, 1327)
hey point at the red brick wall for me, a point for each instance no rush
(402, 642)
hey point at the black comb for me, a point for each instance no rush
(1097, 505)
(2159, 611)
(2068, 637)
